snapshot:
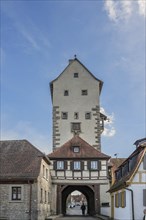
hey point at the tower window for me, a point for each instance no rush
(76, 115)
(75, 127)
(66, 93)
(88, 115)
(84, 92)
(64, 115)
(76, 75)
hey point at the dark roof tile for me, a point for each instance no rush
(19, 159)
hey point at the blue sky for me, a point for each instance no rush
(37, 40)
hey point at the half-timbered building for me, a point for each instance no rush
(128, 192)
(76, 165)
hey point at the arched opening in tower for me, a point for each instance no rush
(76, 204)
(86, 195)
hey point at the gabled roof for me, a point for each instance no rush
(126, 179)
(116, 162)
(86, 150)
(19, 159)
(70, 63)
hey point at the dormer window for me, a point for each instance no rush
(76, 149)
(76, 75)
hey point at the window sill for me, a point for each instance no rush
(16, 201)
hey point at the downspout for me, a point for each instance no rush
(30, 196)
(132, 201)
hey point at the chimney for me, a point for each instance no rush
(70, 61)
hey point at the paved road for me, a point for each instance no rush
(78, 218)
(75, 211)
(76, 214)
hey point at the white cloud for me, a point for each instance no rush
(122, 10)
(109, 129)
(142, 7)
(126, 9)
(28, 36)
(110, 7)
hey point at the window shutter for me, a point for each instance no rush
(123, 199)
(71, 165)
(55, 165)
(89, 164)
(82, 165)
(144, 162)
(99, 165)
(116, 200)
(65, 165)
(119, 199)
(144, 197)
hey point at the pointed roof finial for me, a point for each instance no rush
(75, 56)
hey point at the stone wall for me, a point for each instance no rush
(40, 206)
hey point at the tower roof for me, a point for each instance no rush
(71, 61)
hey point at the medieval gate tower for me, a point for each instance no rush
(76, 105)
(77, 162)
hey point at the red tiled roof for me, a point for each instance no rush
(116, 162)
(19, 160)
(86, 150)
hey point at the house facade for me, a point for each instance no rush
(75, 97)
(25, 184)
(76, 165)
(128, 192)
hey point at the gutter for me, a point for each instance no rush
(132, 202)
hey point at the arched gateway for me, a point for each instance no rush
(78, 166)
(89, 193)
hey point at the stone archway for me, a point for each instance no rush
(88, 191)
